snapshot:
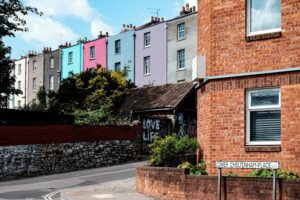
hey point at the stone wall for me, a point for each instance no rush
(50, 149)
(41, 159)
(174, 184)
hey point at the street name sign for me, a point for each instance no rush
(246, 165)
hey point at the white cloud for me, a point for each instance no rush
(47, 32)
(192, 2)
(98, 25)
(267, 16)
(61, 8)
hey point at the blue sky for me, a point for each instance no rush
(69, 20)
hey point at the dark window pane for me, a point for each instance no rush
(265, 98)
(265, 125)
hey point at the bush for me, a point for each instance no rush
(195, 170)
(199, 169)
(267, 173)
(171, 150)
(230, 174)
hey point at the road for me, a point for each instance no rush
(48, 187)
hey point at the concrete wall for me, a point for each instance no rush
(55, 71)
(189, 44)
(38, 74)
(22, 78)
(126, 57)
(100, 54)
(157, 52)
(77, 66)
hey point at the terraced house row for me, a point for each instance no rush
(155, 53)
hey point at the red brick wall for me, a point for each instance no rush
(221, 38)
(222, 125)
(47, 134)
(174, 184)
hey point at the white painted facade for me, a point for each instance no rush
(21, 71)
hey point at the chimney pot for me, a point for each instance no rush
(162, 19)
(191, 9)
(194, 8)
(124, 25)
(106, 34)
(183, 9)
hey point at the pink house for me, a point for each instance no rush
(94, 53)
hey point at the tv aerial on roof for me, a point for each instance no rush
(154, 11)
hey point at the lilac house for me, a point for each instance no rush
(150, 53)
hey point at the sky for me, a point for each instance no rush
(68, 20)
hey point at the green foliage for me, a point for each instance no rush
(185, 165)
(286, 174)
(11, 13)
(195, 170)
(171, 150)
(91, 96)
(267, 173)
(199, 169)
(230, 174)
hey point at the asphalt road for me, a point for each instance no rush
(48, 186)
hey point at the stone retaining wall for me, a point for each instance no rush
(50, 149)
(175, 184)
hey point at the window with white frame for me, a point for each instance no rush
(147, 65)
(34, 84)
(51, 62)
(117, 66)
(263, 117)
(117, 46)
(51, 82)
(147, 39)
(92, 52)
(70, 57)
(181, 31)
(263, 16)
(19, 85)
(34, 66)
(19, 69)
(181, 59)
(19, 104)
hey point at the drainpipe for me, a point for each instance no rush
(134, 38)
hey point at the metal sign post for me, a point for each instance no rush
(245, 165)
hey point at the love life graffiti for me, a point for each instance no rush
(154, 127)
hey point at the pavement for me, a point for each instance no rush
(110, 183)
(114, 190)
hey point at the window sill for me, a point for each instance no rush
(276, 148)
(181, 39)
(145, 47)
(264, 36)
(147, 74)
(92, 58)
(182, 69)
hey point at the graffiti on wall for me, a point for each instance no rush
(186, 125)
(153, 127)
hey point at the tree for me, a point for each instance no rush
(11, 12)
(91, 96)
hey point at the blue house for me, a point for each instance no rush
(72, 60)
(120, 51)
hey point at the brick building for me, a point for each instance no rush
(249, 98)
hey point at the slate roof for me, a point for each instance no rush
(167, 97)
